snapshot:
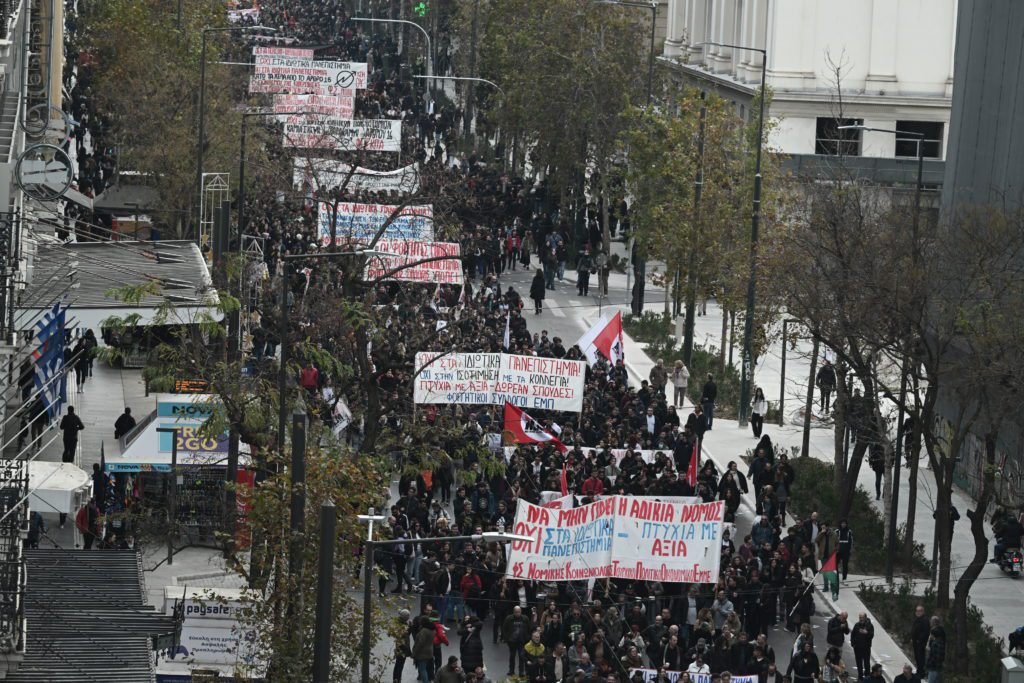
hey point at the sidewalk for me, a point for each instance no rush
(1000, 598)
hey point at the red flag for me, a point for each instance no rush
(610, 341)
(606, 337)
(524, 429)
(691, 470)
(564, 480)
(830, 564)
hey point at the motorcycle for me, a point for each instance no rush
(1012, 562)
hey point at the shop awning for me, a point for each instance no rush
(83, 275)
(55, 486)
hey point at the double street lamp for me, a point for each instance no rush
(904, 371)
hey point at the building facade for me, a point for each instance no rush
(895, 59)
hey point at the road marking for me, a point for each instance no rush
(557, 312)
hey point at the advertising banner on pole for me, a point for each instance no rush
(274, 73)
(447, 269)
(499, 378)
(372, 135)
(315, 106)
(619, 537)
(360, 222)
(328, 174)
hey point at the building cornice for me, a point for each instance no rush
(780, 96)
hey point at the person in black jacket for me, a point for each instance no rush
(861, 637)
(537, 290)
(845, 535)
(70, 424)
(471, 647)
(826, 381)
(707, 400)
(919, 639)
(124, 423)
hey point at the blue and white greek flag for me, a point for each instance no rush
(49, 359)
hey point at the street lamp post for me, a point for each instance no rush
(755, 223)
(368, 552)
(782, 381)
(898, 457)
(241, 163)
(653, 6)
(200, 140)
(172, 491)
(430, 52)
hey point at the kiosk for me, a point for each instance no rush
(144, 470)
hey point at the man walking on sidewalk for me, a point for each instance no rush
(707, 400)
(71, 424)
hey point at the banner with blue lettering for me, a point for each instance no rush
(619, 537)
(49, 360)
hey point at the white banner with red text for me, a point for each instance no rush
(415, 261)
(299, 75)
(619, 537)
(497, 378)
(372, 135)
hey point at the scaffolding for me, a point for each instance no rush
(215, 192)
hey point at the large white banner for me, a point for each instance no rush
(673, 676)
(497, 378)
(329, 174)
(317, 107)
(274, 73)
(373, 135)
(360, 222)
(447, 269)
(619, 537)
(571, 544)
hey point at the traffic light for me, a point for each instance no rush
(421, 9)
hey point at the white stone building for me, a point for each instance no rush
(896, 57)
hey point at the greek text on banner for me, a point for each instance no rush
(360, 222)
(394, 254)
(497, 378)
(619, 537)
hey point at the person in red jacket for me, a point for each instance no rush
(593, 486)
(472, 588)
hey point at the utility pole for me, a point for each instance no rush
(172, 490)
(298, 506)
(324, 595)
(691, 274)
(471, 89)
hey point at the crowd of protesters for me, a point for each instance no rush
(630, 438)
